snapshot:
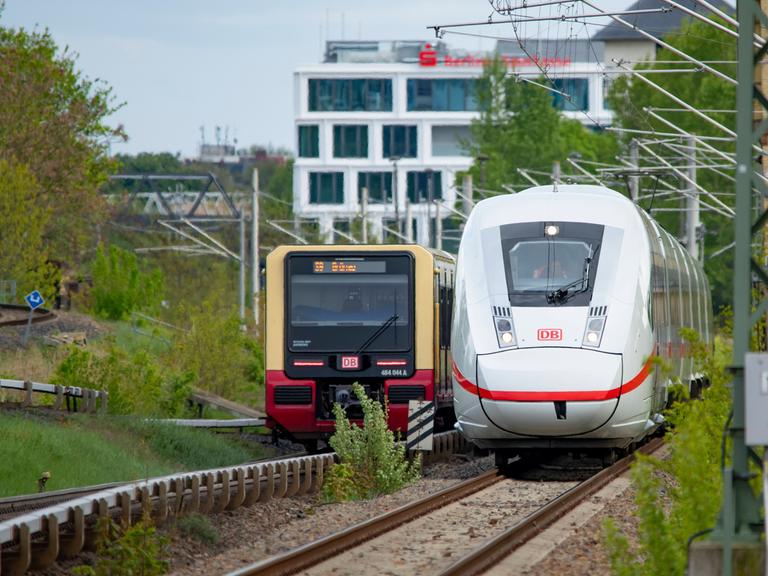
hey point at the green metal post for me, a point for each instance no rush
(740, 512)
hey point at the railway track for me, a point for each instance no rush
(18, 315)
(44, 527)
(17, 505)
(477, 509)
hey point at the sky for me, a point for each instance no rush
(178, 65)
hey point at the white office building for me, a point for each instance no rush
(394, 117)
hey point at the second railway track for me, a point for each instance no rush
(465, 529)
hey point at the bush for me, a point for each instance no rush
(198, 527)
(136, 549)
(119, 287)
(372, 462)
(136, 383)
(23, 220)
(680, 496)
(222, 359)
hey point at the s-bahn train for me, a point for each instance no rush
(564, 296)
(374, 314)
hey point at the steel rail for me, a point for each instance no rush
(13, 506)
(36, 539)
(315, 552)
(496, 549)
(39, 315)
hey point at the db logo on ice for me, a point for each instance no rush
(550, 334)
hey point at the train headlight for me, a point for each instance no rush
(594, 332)
(505, 332)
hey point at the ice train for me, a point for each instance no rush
(564, 296)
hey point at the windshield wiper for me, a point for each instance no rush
(562, 295)
(378, 332)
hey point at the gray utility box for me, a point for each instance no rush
(756, 398)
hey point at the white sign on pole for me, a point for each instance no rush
(421, 425)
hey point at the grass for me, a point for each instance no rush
(85, 450)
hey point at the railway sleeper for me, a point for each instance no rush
(205, 493)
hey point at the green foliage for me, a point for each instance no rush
(198, 527)
(630, 96)
(22, 223)
(372, 462)
(136, 382)
(52, 119)
(189, 448)
(128, 550)
(119, 287)
(32, 446)
(117, 448)
(679, 496)
(223, 359)
(520, 128)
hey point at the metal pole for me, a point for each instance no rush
(438, 227)
(430, 197)
(467, 197)
(408, 223)
(634, 181)
(25, 338)
(364, 209)
(395, 197)
(255, 258)
(692, 204)
(241, 283)
(740, 511)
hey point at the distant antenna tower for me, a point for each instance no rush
(202, 134)
(226, 135)
(218, 135)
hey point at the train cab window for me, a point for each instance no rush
(551, 263)
(338, 305)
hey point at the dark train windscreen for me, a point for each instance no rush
(349, 304)
(551, 263)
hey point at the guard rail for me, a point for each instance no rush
(93, 400)
(36, 539)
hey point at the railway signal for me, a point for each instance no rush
(34, 300)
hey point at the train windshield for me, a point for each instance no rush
(349, 304)
(551, 263)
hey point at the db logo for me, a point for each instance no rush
(350, 362)
(428, 57)
(550, 334)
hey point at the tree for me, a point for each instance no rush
(24, 257)
(630, 97)
(520, 128)
(53, 120)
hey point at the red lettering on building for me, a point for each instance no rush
(428, 57)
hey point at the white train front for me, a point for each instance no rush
(564, 296)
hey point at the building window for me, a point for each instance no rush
(419, 184)
(607, 85)
(379, 186)
(577, 90)
(350, 141)
(309, 141)
(400, 141)
(326, 187)
(350, 95)
(441, 95)
(451, 140)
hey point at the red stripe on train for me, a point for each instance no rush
(578, 395)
